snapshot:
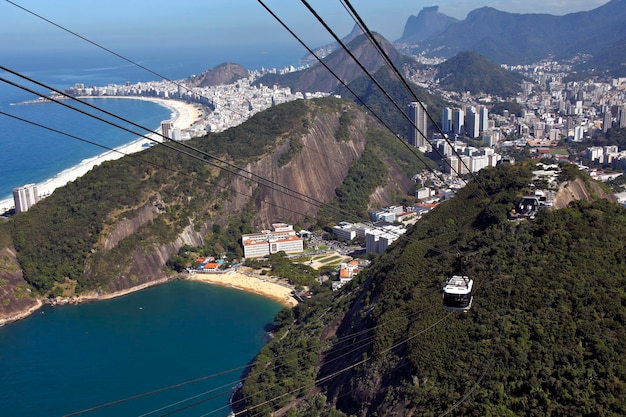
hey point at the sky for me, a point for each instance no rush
(168, 23)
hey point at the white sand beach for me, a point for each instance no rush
(266, 286)
(185, 115)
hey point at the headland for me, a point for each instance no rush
(184, 115)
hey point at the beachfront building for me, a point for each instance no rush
(166, 129)
(282, 237)
(25, 197)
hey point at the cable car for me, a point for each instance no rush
(457, 293)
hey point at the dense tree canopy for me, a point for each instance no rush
(545, 336)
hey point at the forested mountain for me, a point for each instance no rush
(225, 73)
(525, 38)
(324, 51)
(318, 78)
(546, 334)
(116, 227)
(369, 94)
(469, 71)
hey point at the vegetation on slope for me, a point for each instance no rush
(60, 237)
(64, 243)
(469, 71)
(376, 100)
(545, 335)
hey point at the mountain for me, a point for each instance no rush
(469, 71)
(379, 102)
(427, 23)
(544, 336)
(324, 51)
(525, 38)
(116, 227)
(317, 77)
(226, 73)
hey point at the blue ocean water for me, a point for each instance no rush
(66, 359)
(32, 154)
(71, 358)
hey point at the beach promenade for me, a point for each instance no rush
(185, 115)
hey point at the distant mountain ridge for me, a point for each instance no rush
(515, 38)
(324, 51)
(427, 23)
(317, 77)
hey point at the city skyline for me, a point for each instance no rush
(195, 23)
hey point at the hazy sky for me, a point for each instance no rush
(117, 23)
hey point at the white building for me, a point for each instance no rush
(378, 240)
(419, 125)
(472, 122)
(282, 237)
(446, 120)
(25, 197)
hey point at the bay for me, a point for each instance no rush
(66, 359)
(70, 358)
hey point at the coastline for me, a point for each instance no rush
(184, 115)
(268, 287)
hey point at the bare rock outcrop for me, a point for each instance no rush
(580, 189)
(16, 299)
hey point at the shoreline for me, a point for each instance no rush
(282, 293)
(246, 281)
(184, 115)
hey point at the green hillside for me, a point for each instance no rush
(116, 227)
(545, 335)
(469, 71)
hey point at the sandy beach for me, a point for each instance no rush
(246, 281)
(185, 114)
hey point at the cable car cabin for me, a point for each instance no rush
(457, 294)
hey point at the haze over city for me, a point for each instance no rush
(168, 24)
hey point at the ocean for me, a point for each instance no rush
(31, 154)
(66, 359)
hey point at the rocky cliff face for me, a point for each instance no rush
(295, 188)
(579, 189)
(299, 172)
(312, 175)
(16, 299)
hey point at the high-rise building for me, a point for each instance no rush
(25, 197)
(446, 120)
(483, 115)
(419, 124)
(166, 129)
(622, 117)
(607, 122)
(472, 123)
(458, 122)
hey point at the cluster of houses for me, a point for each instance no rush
(207, 265)
(347, 271)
